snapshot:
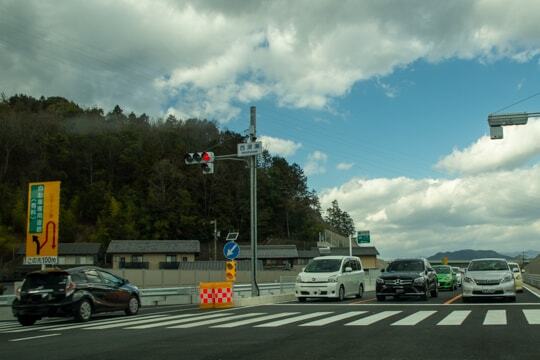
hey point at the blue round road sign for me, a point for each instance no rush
(231, 250)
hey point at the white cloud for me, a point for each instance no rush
(210, 59)
(316, 163)
(497, 210)
(520, 144)
(279, 146)
(344, 166)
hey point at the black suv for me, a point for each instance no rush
(77, 292)
(407, 277)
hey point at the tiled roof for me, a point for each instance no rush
(153, 246)
(269, 252)
(82, 248)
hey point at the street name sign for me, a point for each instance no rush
(249, 149)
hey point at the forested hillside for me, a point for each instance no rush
(123, 177)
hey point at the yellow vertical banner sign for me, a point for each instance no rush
(43, 219)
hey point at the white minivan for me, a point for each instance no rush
(331, 277)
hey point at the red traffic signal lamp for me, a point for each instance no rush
(230, 270)
(203, 157)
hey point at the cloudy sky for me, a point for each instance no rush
(383, 103)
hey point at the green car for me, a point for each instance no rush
(446, 277)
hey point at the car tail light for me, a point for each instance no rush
(70, 287)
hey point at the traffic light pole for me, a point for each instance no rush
(253, 203)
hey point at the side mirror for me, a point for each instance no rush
(348, 269)
(383, 270)
(426, 272)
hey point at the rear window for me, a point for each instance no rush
(514, 267)
(45, 281)
(406, 265)
(442, 269)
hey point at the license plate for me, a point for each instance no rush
(488, 291)
(400, 291)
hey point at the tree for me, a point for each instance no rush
(339, 220)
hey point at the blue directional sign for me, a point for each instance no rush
(231, 250)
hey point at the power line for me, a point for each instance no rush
(517, 102)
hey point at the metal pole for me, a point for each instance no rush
(215, 239)
(350, 245)
(253, 204)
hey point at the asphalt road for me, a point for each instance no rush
(356, 328)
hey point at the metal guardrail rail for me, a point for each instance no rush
(532, 279)
(241, 290)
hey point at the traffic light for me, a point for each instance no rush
(207, 168)
(203, 157)
(230, 270)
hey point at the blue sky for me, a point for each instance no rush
(403, 123)
(383, 103)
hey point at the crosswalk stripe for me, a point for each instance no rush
(252, 321)
(495, 317)
(214, 321)
(136, 322)
(294, 319)
(368, 320)
(414, 318)
(334, 318)
(87, 324)
(533, 316)
(179, 321)
(91, 322)
(455, 317)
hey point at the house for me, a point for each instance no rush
(71, 254)
(152, 254)
(367, 254)
(272, 256)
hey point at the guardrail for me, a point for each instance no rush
(188, 294)
(532, 279)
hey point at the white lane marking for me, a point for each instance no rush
(91, 322)
(495, 317)
(136, 322)
(368, 320)
(214, 321)
(415, 318)
(95, 323)
(334, 318)
(179, 321)
(409, 304)
(533, 316)
(294, 319)
(456, 317)
(35, 337)
(259, 319)
(531, 291)
(3, 327)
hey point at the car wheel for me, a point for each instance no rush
(381, 297)
(133, 306)
(435, 291)
(26, 320)
(301, 299)
(424, 296)
(360, 291)
(341, 293)
(83, 311)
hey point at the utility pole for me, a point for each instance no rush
(253, 202)
(215, 237)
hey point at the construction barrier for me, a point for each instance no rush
(215, 295)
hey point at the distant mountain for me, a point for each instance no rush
(468, 254)
(529, 254)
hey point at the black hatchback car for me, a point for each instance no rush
(78, 292)
(407, 277)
